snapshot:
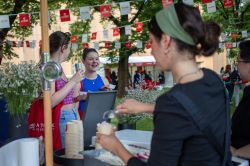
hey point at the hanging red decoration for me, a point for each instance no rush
(65, 15)
(85, 45)
(105, 11)
(14, 44)
(24, 19)
(206, 1)
(116, 31)
(27, 44)
(73, 39)
(107, 44)
(93, 36)
(229, 45)
(139, 26)
(234, 35)
(166, 2)
(128, 44)
(228, 3)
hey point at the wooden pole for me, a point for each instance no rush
(46, 93)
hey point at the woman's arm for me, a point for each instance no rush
(112, 144)
(133, 106)
(242, 152)
(58, 96)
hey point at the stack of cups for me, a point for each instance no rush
(74, 139)
(80, 134)
(103, 128)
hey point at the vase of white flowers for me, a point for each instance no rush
(19, 85)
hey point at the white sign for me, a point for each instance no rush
(188, 2)
(234, 44)
(125, 8)
(128, 30)
(211, 7)
(84, 38)
(96, 45)
(84, 13)
(4, 21)
(106, 34)
(117, 45)
(74, 46)
(221, 46)
(139, 44)
(244, 33)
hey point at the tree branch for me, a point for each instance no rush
(138, 12)
(225, 14)
(244, 12)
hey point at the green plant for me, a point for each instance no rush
(145, 96)
(19, 85)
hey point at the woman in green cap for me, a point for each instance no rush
(178, 35)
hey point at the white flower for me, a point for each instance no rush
(18, 85)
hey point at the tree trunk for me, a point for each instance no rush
(122, 75)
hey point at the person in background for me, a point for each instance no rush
(63, 89)
(222, 71)
(228, 81)
(241, 117)
(178, 34)
(161, 77)
(237, 82)
(137, 79)
(91, 81)
(113, 77)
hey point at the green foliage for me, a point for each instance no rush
(144, 96)
(19, 85)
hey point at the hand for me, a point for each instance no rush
(82, 97)
(233, 150)
(109, 142)
(104, 88)
(77, 77)
(132, 106)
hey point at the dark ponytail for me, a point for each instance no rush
(205, 35)
(211, 40)
(58, 39)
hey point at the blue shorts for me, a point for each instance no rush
(66, 116)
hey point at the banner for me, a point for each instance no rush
(211, 7)
(93, 36)
(4, 21)
(139, 44)
(128, 30)
(139, 26)
(85, 45)
(244, 34)
(73, 38)
(24, 19)
(85, 13)
(206, 1)
(228, 3)
(128, 44)
(107, 44)
(64, 15)
(117, 45)
(96, 45)
(116, 31)
(105, 34)
(105, 11)
(84, 38)
(125, 8)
